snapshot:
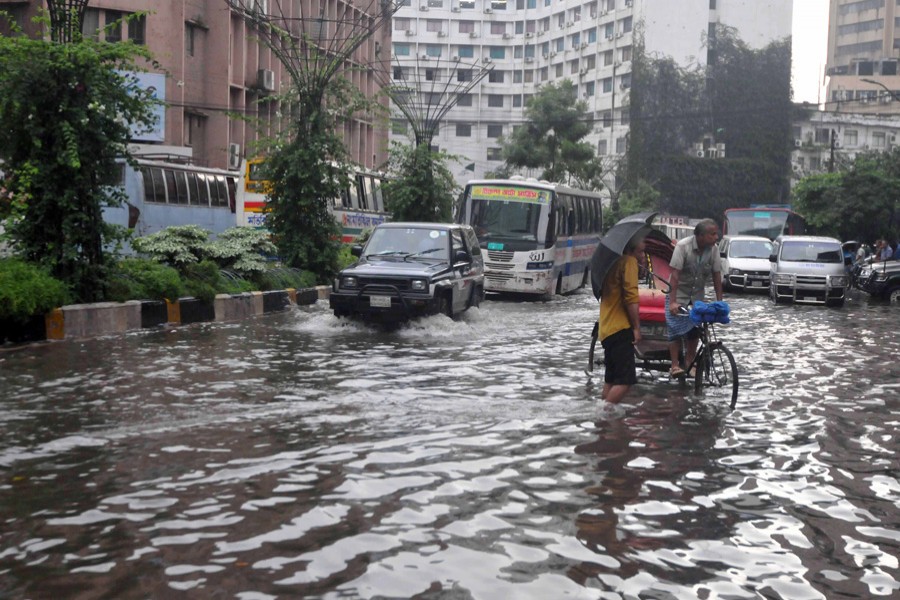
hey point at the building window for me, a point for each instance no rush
(494, 154)
(137, 30)
(517, 101)
(398, 74)
(529, 76)
(517, 76)
(878, 139)
(607, 85)
(464, 100)
(114, 32)
(850, 137)
(498, 52)
(466, 52)
(401, 49)
(495, 76)
(401, 24)
(495, 101)
(398, 127)
(433, 26)
(467, 26)
(589, 89)
(494, 131)
(621, 145)
(429, 74)
(464, 75)
(712, 4)
(607, 118)
(433, 51)
(601, 147)
(463, 130)
(190, 35)
(91, 23)
(607, 58)
(498, 28)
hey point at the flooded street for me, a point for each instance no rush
(296, 455)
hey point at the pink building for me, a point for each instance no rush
(214, 69)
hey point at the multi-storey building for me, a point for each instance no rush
(213, 68)
(532, 42)
(863, 52)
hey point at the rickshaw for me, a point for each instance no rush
(713, 366)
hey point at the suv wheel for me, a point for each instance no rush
(893, 295)
(444, 305)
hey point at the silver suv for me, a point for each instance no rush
(810, 269)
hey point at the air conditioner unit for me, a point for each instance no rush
(582, 72)
(796, 167)
(798, 143)
(454, 9)
(620, 34)
(486, 59)
(569, 24)
(529, 59)
(603, 13)
(837, 143)
(455, 58)
(529, 35)
(624, 86)
(410, 32)
(473, 34)
(265, 80)
(720, 147)
(552, 54)
(507, 36)
(540, 33)
(488, 11)
(442, 34)
(892, 139)
(424, 8)
(886, 99)
(234, 156)
(609, 36)
(584, 45)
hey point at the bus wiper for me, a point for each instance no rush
(428, 251)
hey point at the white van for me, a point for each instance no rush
(745, 262)
(806, 268)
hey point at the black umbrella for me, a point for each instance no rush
(613, 244)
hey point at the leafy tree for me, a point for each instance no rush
(422, 187)
(67, 112)
(26, 290)
(639, 198)
(742, 99)
(242, 249)
(858, 202)
(552, 139)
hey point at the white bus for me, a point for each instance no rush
(538, 236)
(359, 207)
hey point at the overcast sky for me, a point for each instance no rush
(810, 43)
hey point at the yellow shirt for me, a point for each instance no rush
(619, 289)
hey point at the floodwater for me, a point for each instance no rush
(296, 455)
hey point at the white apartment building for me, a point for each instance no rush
(532, 42)
(863, 52)
(839, 135)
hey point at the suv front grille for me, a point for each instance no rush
(384, 284)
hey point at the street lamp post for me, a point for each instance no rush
(893, 94)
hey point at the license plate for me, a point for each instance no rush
(756, 283)
(380, 301)
(809, 298)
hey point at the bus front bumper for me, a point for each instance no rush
(528, 282)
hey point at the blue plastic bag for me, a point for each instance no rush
(713, 312)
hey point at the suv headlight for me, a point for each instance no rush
(539, 266)
(735, 272)
(783, 278)
(418, 285)
(348, 282)
(838, 281)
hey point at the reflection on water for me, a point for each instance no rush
(298, 455)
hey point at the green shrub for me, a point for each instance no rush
(177, 246)
(243, 250)
(281, 278)
(202, 280)
(144, 279)
(27, 290)
(345, 259)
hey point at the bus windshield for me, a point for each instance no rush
(763, 223)
(510, 218)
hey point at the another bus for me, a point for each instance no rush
(160, 194)
(675, 228)
(359, 207)
(539, 237)
(765, 221)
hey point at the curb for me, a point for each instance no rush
(103, 318)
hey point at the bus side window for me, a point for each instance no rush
(193, 186)
(231, 185)
(379, 195)
(203, 184)
(368, 193)
(223, 192)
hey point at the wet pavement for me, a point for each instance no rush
(296, 455)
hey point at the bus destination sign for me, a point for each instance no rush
(510, 193)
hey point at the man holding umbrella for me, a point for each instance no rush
(694, 260)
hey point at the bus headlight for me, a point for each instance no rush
(539, 266)
(418, 285)
(348, 282)
(783, 278)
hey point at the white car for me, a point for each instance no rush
(745, 262)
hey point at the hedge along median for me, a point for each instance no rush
(103, 318)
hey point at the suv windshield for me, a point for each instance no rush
(409, 241)
(750, 249)
(811, 251)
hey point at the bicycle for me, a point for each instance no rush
(714, 364)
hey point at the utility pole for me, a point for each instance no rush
(831, 159)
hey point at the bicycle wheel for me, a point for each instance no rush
(717, 368)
